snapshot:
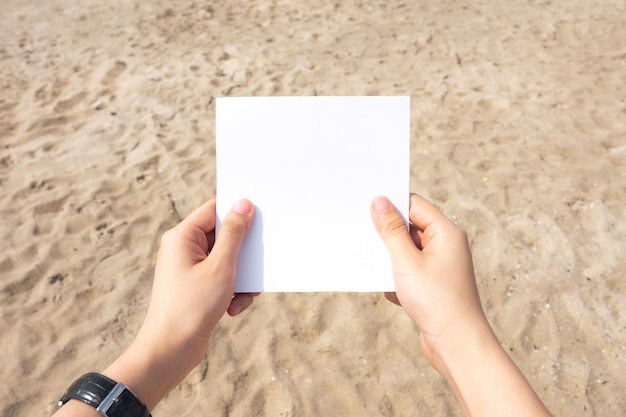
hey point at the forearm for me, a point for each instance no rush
(149, 371)
(144, 376)
(147, 381)
(485, 379)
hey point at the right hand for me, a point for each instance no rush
(435, 284)
(433, 272)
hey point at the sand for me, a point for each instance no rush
(107, 139)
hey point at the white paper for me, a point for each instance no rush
(312, 166)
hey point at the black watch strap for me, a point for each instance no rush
(110, 398)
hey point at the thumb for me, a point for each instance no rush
(392, 229)
(232, 232)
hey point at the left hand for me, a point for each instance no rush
(193, 288)
(195, 276)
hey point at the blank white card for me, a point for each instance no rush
(312, 166)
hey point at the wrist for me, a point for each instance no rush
(104, 395)
(484, 378)
(463, 344)
(152, 370)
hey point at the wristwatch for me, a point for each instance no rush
(109, 398)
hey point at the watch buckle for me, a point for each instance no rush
(111, 399)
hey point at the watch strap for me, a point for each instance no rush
(110, 398)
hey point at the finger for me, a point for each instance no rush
(203, 217)
(391, 296)
(240, 302)
(391, 227)
(422, 213)
(196, 229)
(232, 232)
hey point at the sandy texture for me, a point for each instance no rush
(107, 139)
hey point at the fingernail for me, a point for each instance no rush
(243, 206)
(381, 205)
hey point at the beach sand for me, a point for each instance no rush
(518, 133)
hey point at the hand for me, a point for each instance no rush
(193, 288)
(435, 284)
(432, 268)
(195, 275)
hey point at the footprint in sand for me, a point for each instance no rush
(71, 102)
(115, 71)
